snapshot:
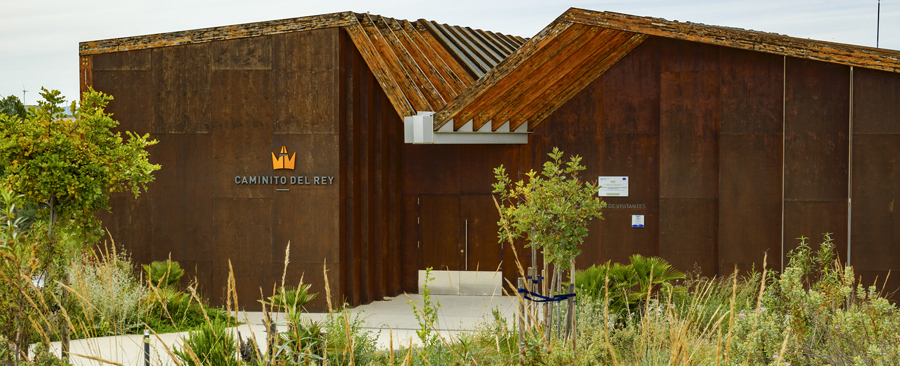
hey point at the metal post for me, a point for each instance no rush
(146, 347)
(521, 316)
(64, 330)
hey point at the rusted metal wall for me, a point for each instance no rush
(370, 218)
(816, 143)
(219, 109)
(875, 187)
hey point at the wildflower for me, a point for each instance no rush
(741, 315)
(775, 356)
(762, 309)
(837, 327)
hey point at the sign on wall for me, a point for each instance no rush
(613, 186)
(283, 161)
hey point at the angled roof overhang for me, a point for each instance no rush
(581, 45)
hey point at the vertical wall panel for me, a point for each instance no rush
(181, 89)
(307, 86)
(816, 123)
(689, 174)
(875, 190)
(750, 154)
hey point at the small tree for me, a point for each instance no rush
(72, 164)
(552, 209)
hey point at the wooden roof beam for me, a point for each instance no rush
(531, 84)
(517, 79)
(394, 67)
(412, 66)
(602, 42)
(458, 69)
(544, 38)
(451, 83)
(851, 55)
(363, 43)
(565, 90)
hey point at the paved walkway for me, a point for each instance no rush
(384, 318)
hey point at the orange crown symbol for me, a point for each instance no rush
(283, 161)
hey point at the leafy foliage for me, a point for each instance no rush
(72, 164)
(427, 315)
(553, 209)
(211, 345)
(12, 106)
(626, 285)
(163, 273)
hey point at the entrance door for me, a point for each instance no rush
(459, 233)
(439, 232)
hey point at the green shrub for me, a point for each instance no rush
(626, 285)
(107, 292)
(163, 273)
(211, 345)
(292, 299)
(344, 330)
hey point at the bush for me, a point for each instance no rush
(626, 285)
(346, 336)
(163, 273)
(107, 292)
(211, 345)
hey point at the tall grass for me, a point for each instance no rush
(815, 313)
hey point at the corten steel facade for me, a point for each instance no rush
(735, 143)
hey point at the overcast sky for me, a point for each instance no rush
(39, 42)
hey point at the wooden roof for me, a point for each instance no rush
(467, 75)
(421, 65)
(581, 45)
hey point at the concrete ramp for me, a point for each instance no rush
(479, 283)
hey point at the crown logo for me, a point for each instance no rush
(283, 161)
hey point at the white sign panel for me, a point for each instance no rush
(637, 220)
(613, 186)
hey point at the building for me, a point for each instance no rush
(734, 143)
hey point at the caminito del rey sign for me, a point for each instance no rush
(283, 162)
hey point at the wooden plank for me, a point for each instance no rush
(217, 33)
(532, 79)
(571, 84)
(421, 81)
(874, 58)
(451, 82)
(541, 66)
(544, 38)
(394, 67)
(379, 69)
(435, 79)
(457, 68)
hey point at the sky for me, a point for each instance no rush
(39, 38)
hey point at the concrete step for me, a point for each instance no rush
(480, 283)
